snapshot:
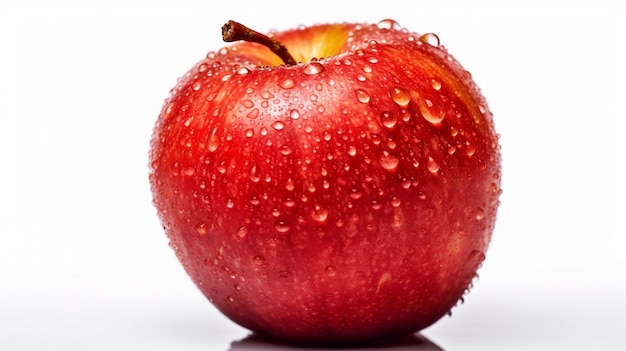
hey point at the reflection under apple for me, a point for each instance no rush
(412, 342)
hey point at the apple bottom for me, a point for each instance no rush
(356, 291)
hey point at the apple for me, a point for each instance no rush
(329, 184)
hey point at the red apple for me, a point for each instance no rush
(343, 196)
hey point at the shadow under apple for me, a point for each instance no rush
(412, 342)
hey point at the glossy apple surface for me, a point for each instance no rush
(346, 198)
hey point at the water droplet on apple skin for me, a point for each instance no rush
(258, 260)
(400, 96)
(388, 161)
(388, 24)
(480, 214)
(432, 165)
(319, 213)
(331, 271)
(254, 174)
(431, 39)
(242, 232)
(362, 96)
(388, 119)
(294, 114)
(282, 226)
(247, 103)
(214, 141)
(201, 228)
(435, 84)
(313, 68)
(432, 110)
(287, 83)
(278, 125)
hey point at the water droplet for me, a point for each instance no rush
(196, 86)
(281, 226)
(312, 68)
(201, 228)
(249, 133)
(388, 161)
(294, 114)
(230, 299)
(203, 67)
(290, 185)
(275, 212)
(400, 96)
(319, 213)
(373, 59)
(327, 136)
(331, 271)
(367, 69)
(469, 149)
(388, 119)
(230, 203)
(254, 174)
(243, 70)
(395, 202)
(376, 205)
(432, 111)
(432, 165)
(352, 150)
(362, 95)
(355, 194)
(266, 95)
(397, 220)
(289, 202)
(258, 260)
(388, 24)
(287, 84)
(278, 125)
(431, 39)
(476, 256)
(435, 84)
(480, 214)
(253, 114)
(168, 111)
(214, 141)
(247, 103)
(242, 232)
(285, 150)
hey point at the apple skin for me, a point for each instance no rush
(341, 200)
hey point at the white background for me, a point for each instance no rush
(85, 265)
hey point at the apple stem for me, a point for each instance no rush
(234, 31)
